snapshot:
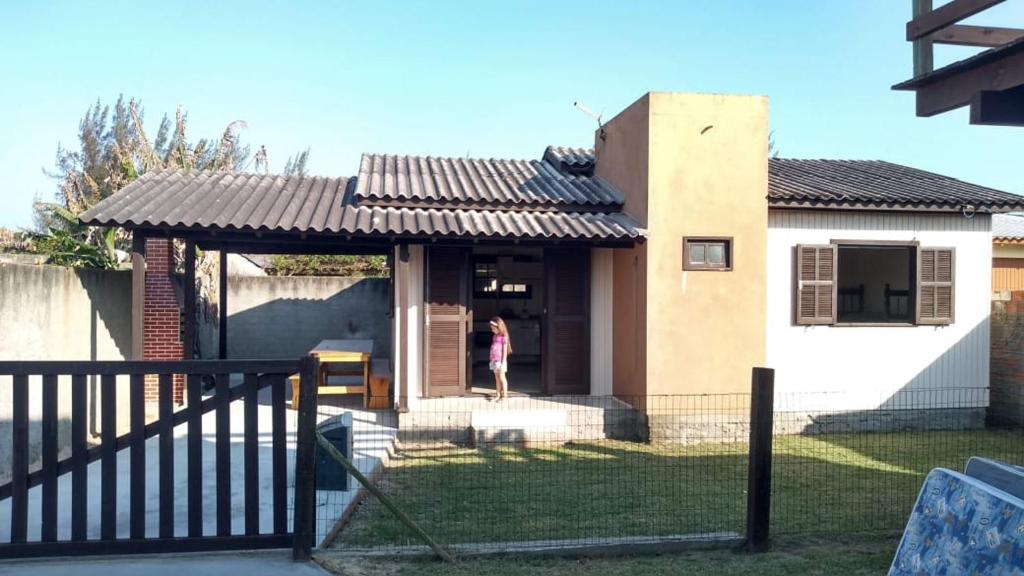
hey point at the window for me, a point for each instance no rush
(707, 253)
(486, 284)
(517, 290)
(485, 278)
(871, 283)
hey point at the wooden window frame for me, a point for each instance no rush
(726, 241)
(915, 244)
(916, 284)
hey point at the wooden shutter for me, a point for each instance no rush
(567, 328)
(816, 283)
(446, 299)
(935, 278)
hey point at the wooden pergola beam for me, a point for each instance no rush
(980, 36)
(402, 287)
(138, 294)
(222, 293)
(924, 50)
(305, 248)
(1002, 108)
(190, 300)
(930, 21)
(958, 89)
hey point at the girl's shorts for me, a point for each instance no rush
(498, 366)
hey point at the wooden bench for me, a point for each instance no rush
(326, 388)
(380, 383)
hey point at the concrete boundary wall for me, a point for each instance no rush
(286, 316)
(56, 313)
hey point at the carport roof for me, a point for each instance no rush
(224, 201)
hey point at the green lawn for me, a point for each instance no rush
(823, 487)
(860, 558)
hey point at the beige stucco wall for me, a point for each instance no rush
(622, 160)
(706, 174)
(708, 177)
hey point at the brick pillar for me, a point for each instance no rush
(161, 326)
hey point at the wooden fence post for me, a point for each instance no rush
(759, 471)
(305, 462)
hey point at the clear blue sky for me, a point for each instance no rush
(486, 79)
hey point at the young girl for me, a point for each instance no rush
(501, 347)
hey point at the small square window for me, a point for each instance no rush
(707, 253)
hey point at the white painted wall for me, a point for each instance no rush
(853, 368)
(411, 350)
(601, 351)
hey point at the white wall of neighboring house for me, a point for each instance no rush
(853, 368)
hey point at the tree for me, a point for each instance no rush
(329, 265)
(113, 151)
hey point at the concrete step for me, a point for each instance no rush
(519, 420)
(538, 426)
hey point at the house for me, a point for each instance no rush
(1007, 252)
(668, 260)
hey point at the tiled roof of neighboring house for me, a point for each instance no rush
(875, 184)
(418, 181)
(1008, 227)
(231, 201)
(865, 184)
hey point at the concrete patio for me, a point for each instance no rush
(266, 563)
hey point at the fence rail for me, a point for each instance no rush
(247, 381)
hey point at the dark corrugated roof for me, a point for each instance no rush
(866, 184)
(227, 201)
(874, 184)
(477, 183)
(578, 161)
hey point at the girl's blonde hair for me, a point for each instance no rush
(502, 330)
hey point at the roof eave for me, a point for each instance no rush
(891, 207)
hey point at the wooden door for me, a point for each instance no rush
(446, 321)
(566, 352)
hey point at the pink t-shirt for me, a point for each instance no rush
(498, 348)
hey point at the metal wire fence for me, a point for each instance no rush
(536, 472)
(841, 472)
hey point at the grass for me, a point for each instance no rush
(823, 486)
(861, 557)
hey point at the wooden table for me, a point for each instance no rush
(340, 352)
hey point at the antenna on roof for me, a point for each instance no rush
(597, 117)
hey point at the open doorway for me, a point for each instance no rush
(508, 282)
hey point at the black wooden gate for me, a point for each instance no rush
(210, 386)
